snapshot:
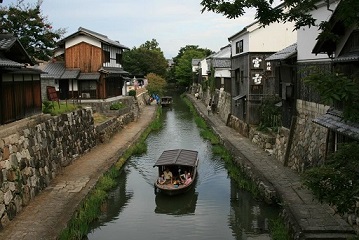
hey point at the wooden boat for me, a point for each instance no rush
(166, 101)
(178, 161)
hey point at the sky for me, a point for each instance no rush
(173, 23)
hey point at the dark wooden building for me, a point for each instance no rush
(20, 86)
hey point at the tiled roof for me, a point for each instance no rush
(88, 76)
(113, 70)
(221, 63)
(347, 57)
(284, 53)
(53, 70)
(334, 121)
(6, 41)
(100, 37)
(70, 74)
(4, 62)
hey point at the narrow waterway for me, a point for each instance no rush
(215, 209)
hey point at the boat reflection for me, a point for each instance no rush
(177, 205)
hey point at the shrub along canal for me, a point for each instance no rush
(215, 209)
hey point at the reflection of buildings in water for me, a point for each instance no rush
(115, 202)
(247, 215)
(177, 205)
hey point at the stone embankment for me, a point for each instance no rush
(305, 217)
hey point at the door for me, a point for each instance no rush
(64, 89)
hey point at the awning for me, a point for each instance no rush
(113, 70)
(239, 97)
(334, 121)
(348, 57)
(70, 74)
(89, 76)
(284, 53)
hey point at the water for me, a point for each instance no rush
(215, 209)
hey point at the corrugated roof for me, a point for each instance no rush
(181, 157)
(88, 76)
(284, 53)
(70, 74)
(334, 121)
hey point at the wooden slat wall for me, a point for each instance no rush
(19, 100)
(84, 56)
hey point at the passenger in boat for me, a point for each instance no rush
(183, 177)
(168, 175)
(188, 180)
(161, 180)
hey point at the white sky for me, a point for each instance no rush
(173, 23)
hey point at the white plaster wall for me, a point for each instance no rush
(307, 37)
(272, 38)
(78, 39)
(204, 67)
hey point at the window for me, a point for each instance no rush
(107, 56)
(239, 46)
(118, 58)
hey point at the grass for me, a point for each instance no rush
(78, 226)
(55, 108)
(278, 230)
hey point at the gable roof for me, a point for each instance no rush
(53, 70)
(12, 50)
(100, 37)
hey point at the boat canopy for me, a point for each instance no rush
(180, 157)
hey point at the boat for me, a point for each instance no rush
(166, 101)
(178, 162)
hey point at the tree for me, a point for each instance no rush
(183, 63)
(297, 11)
(156, 84)
(32, 28)
(148, 58)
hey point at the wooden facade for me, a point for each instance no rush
(20, 95)
(86, 57)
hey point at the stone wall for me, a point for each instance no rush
(309, 139)
(31, 157)
(238, 125)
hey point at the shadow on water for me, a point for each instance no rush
(214, 209)
(180, 205)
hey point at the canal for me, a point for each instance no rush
(215, 209)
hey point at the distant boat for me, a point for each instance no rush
(166, 101)
(178, 161)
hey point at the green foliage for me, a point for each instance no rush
(117, 106)
(183, 63)
(132, 93)
(297, 11)
(337, 182)
(269, 114)
(56, 109)
(148, 58)
(278, 230)
(337, 89)
(32, 29)
(156, 84)
(47, 106)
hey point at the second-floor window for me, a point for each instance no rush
(239, 46)
(107, 56)
(118, 58)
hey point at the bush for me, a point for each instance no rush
(47, 106)
(117, 106)
(337, 182)
(132, 93)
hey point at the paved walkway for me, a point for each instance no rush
(47, 215)
(311, 219)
